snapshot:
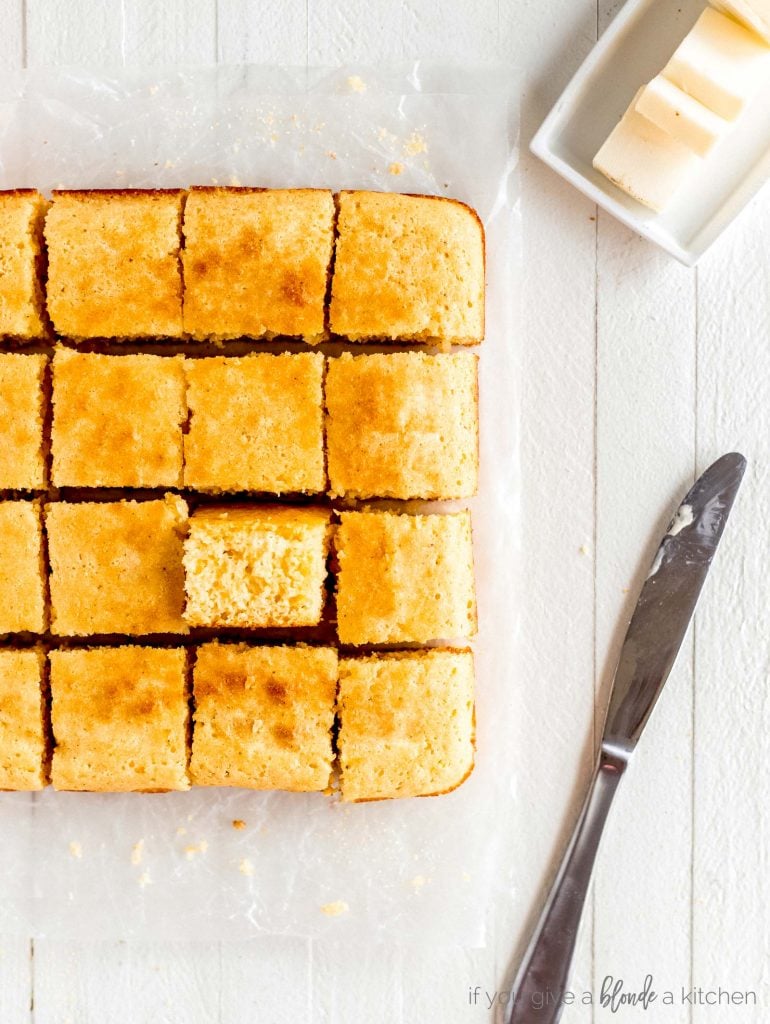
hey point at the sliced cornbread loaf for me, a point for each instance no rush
(116, 567)
(256, 423)
(407, 268)
(21, 293)
(117, 420)
(256, 262)
(119, 717)
(22, 596)
(113, 264)
(263, 716)
(22, 732)
(402, 425)
(22, 466)
(256, 567)
(406, 723)
(404, 578)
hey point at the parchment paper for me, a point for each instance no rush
(172, 866)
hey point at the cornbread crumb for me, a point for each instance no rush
(246, 867)
(137, 852)
(116, 567)
(396, 169)
(113, 264)
(356, 83)
(263, 716)
(194, 849)
(21, 294)
(22, 466)
(256, 567)
(119, 717)
(406, 723)
(256, 262)
(404, 578)
(239, 824)
(76, 850)
(117, 420)
(407, 268)
(22, 599)
(256, 423)
(22, 732)
(335, 909)
(144, 880)
(402, 425)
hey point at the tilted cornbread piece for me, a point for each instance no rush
(119, 717)
(402, 425)
(22, 466)
(21, 292)
(404, 578)
(117, 420)
(256, 567)
(113, 264)
(256, 262)
(22, 731)
(116, 567)
(406, 723)
(407, 268)
(263, 716)
(22, 597)
(256, 423)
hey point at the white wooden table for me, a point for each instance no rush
(636, 373)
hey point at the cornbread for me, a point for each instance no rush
(119, 717)
(22, 733)
(256, 262)
(256, 567)
(22, 597)
(22, 466)
(117, 420)
(402, 425)
(263, 716)
(406, 723)
(113, 264)
(407, 268)
(256, 423)
(404, 578)
(116, 567)
(21, 297)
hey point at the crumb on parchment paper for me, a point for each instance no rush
(144, 879)
(76, 850)
(356, 83)
(137, 852)
(194, 848)
(239, 824)
(335, 909)
(415, 144)
(396, 168)
(246, 867)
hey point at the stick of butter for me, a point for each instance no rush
(681, 116)
(720, 63)
(645, 161)
(754, 14)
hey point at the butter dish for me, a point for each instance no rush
(639, 42)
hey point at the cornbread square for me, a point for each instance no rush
(113, 263)
(22, 596)
(119, 717)
(117, 420)
(256, 262)
(256, 423)
(22, 732)
(263, 717)
(22, 466)
(406, 724)
(256, 567)
(408, 268)
(21, 293)
(404, 578)
(116, 567)
(402, 425)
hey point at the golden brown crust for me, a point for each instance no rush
(119, 719)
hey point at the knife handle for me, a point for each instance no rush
(541, 981)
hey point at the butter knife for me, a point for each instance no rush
(658, 626)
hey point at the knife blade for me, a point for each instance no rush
(658, 626)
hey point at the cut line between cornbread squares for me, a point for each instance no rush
(113, 263)
(263, 716)
(256, 566)
(406, 723)
(404, 578)
(119, 717)
(116, 567)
